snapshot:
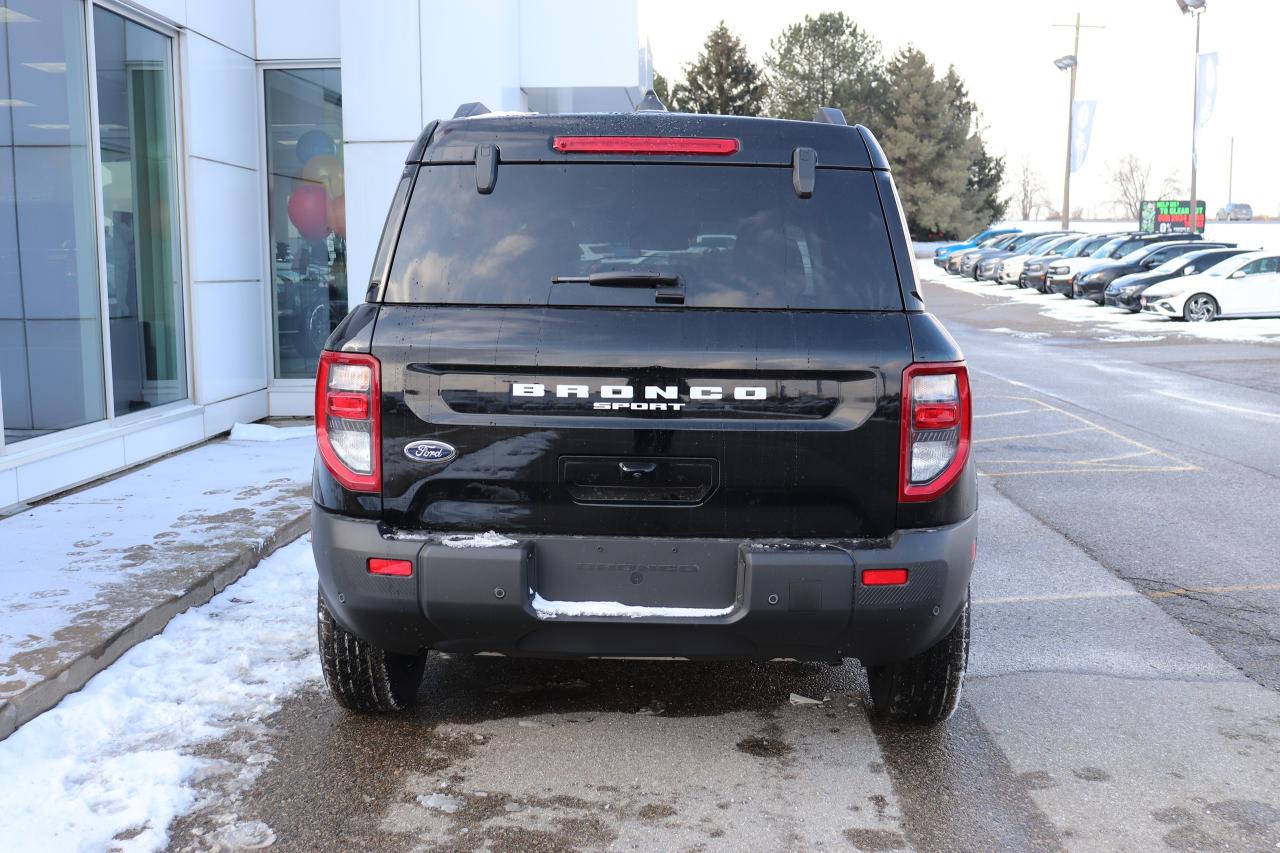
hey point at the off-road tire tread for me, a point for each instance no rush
(362, 677)
(925, 689)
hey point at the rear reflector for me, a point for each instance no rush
(394, 568)
(884, 577)
(646, 145)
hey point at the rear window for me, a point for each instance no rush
(738, 237)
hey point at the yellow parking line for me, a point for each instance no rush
(1032, 435)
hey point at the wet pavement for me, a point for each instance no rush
(1124, 687)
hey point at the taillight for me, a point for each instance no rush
(645, 145)
(348, 424)
(936, 423)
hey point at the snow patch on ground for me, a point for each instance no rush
(551, 609)
(266, 432)
(1031, 336)
(440, 802)
(1136, 327)
(479, 540)
(112, 765)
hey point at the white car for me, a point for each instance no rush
(1010, 269)
(1246, 285)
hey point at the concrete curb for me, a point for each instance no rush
(25, 706)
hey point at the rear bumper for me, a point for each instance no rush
(772, 599)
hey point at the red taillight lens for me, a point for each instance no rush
(348, 405)
(646, 145)
(884, 577)
(348, 424)
(391, 568)
(935, 415)
(936, 425)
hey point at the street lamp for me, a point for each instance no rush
(1069, 63)
(1195, 8)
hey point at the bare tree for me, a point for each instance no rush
(1131, 179)
(1029, 194)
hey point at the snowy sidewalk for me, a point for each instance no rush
(87, 576)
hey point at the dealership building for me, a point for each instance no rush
(191, 192)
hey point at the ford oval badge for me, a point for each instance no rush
(428, 450)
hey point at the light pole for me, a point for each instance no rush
(1195, 8)
(1069, 63)
(1065, 63)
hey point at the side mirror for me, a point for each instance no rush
(1237, 274)
(1188, 270)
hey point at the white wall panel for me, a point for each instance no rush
(381, 77)
(229, 22)
(69, 468)
(578, 43)
(470, 52)
(220, 417)
(297, 29)
(222, 103)
(373, 170)
(230, 337)
(8, 488)
(149, 442)
(223, 222)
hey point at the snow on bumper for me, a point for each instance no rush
(607, 597)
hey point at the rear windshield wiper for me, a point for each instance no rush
(668, 285)
(621, 278)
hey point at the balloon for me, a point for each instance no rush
(326, 170)
(313, 143)
(338, 216)
(308, 210)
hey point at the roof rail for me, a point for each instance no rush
(469, 109)
(650, 103)
(829, 115)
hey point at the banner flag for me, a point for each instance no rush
(1081, 131)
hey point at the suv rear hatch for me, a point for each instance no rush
(642, 348)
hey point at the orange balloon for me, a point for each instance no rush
(325, 169)
(337, 215)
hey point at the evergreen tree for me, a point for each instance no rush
(722, 81)
(825, 61)
(947, 179)
(662, 89)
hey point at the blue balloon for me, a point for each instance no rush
(313, 143)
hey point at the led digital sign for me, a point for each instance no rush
(1170, 215)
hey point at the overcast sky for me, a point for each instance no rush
(1139, 70)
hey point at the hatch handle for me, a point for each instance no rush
(804, 170)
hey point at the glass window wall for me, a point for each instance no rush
(306, 213)
(51, 367)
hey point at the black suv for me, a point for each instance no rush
(645, 385)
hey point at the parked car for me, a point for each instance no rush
(956, 260)
(1236, 212)
(1126, 291)
(525, 450)
(1009, 270)
(1035, 273)
(972, 258)
(989, 261)
(1247, 285)
(1063, 274)
(941, 253)
(1093, 284)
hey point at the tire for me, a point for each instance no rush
(923, 690)
(360, 676)
(1200, 308)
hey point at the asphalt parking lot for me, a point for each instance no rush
(1124, 690)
